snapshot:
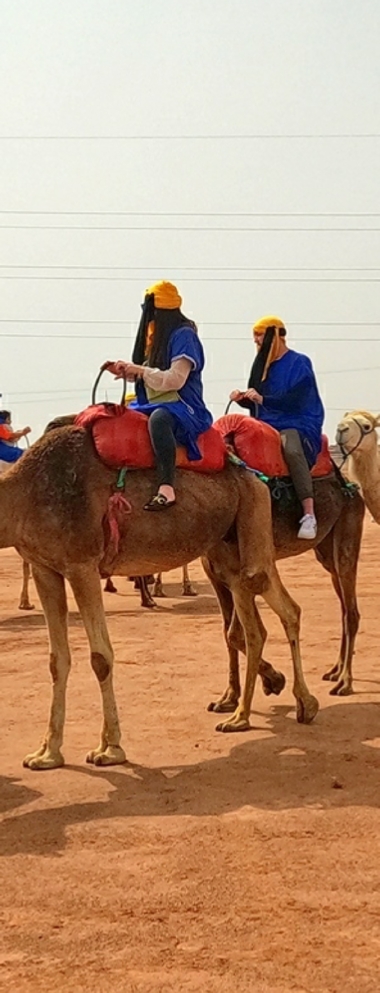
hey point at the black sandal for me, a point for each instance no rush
(159, 502)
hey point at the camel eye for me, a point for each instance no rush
(367, 427)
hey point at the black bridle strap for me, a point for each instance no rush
(362, 432)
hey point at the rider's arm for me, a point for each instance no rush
(170, 379)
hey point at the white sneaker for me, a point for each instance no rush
(308, 529)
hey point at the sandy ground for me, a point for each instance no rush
(209, 862)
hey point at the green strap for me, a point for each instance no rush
(120, 482)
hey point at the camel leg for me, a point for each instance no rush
(230, 698)
(85, 583)
(347, 540)
(25, 603)
(273, 681)
(146, 597)
(289, 612)
(254, 634)
(158, 589)
(325, 555)
(339, 555)
(51, 590)
(187, 587)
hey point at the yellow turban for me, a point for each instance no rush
(166, 296)
(270, 321)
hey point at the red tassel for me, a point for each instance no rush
(117, 506)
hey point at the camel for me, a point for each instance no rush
(56, 511)
(357, 438)
(340, 515)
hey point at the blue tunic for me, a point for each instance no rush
(189, 413)
(10, 453)
(291, 400)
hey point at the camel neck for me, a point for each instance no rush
(368, 466)
(8, 516)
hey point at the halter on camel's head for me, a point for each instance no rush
(354, 428)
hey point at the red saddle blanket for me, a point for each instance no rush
(121, 439)
(259, 445)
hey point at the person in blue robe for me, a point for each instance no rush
(283, 392)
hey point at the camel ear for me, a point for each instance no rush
(377, 421)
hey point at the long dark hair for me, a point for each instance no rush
(166, 322)
(259, 362)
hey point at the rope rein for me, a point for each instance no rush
(363, 433)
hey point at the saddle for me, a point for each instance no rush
(121, 438)
(259, 446)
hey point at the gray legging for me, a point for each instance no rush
(296, 461)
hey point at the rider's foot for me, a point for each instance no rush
(308, 529)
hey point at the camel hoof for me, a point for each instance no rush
(38, 762)
(223, 707)
(307, 709)
(332, 675)
(159, 593)
(110, 587)
(234, 724)
(112, 755)
(342, 689)
(275, 684)
(189, 591)
(25, 605)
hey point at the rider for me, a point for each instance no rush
(282, 391)
(167, 363)
(9, 451)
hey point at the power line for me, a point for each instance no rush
(192, 213)
(106, 227)
(199, 268)
(246, 323)
(220, 340)
(200, 279)
(187, 137)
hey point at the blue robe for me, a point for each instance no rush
(190, 414)
(291, 400)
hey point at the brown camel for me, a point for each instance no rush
(54, 505)
(340, 515)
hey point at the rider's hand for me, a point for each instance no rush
(123, 370)
(26, 430)
(236, 394)
(252, 395)
(116, 368)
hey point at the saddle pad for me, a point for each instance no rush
(259, 445)
(121, 439)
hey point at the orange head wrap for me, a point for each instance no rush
(166, 297)
(260, 327)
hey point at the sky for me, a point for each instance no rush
(230, 147)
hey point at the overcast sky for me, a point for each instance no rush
(209, 207)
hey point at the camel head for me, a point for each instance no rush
(357, 432)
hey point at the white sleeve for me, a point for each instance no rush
(171, 379)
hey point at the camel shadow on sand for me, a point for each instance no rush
(335, 763)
